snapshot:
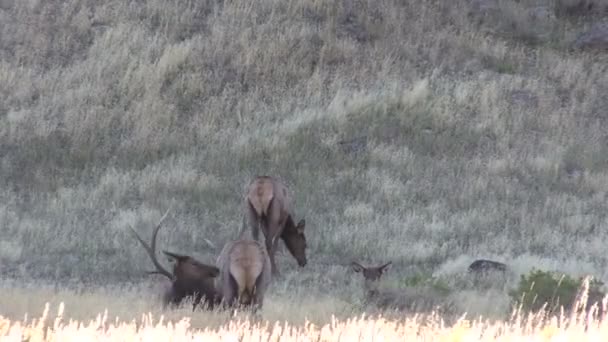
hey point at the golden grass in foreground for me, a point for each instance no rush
(128, 303)
(133, 313)
(149, 328)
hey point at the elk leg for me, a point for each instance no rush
(273, 231)
(257, 304)
(275, 246)
(229, 287)
(167, 299)
(270, 249)
(254, 222)
(255, 231)
(244, 225)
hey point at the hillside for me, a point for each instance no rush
(429, 133)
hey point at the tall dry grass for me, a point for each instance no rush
(51, 327)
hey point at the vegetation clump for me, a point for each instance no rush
(425, 280)
(550, 290)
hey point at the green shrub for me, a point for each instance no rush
(554, 289)
(422, 280)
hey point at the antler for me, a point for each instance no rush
(387, 264)
(357, 267)
(151, 249)
(210, 244)
(175, 255)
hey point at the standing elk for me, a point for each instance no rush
(245, 273)
(269, 207)
(190, 278)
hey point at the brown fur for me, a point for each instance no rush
(190, 278)
(269, 208)
(244, 273)
(193, 279)
(261, 193)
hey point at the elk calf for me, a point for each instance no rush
(269, 208)
(245, 272)
(190, 278)
(371, 276)
(410, 299)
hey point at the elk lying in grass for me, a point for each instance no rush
(190, 278)
(417, 299)
(371, 276)
(245, 273)
(269, 207)
(484, 266)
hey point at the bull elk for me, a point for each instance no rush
(190, 278)
(245, 273)
(269, 208)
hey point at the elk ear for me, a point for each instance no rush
(385, 267)
(300, 227)
(356, 267)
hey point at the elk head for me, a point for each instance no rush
(371, 275)
(295, 240)
(186, 267)
(190, 278)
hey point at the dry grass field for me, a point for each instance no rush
(428, 133)
(55, 327)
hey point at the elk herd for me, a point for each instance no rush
(245, 266)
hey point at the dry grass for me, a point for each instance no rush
(472, 138)
(128, 303)
(149, 327)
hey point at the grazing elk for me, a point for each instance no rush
(269, 207)
(245, 272)
(190, 278)
(483, 266)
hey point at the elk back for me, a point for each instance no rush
(244, 270)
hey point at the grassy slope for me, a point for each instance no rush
(479, 145)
